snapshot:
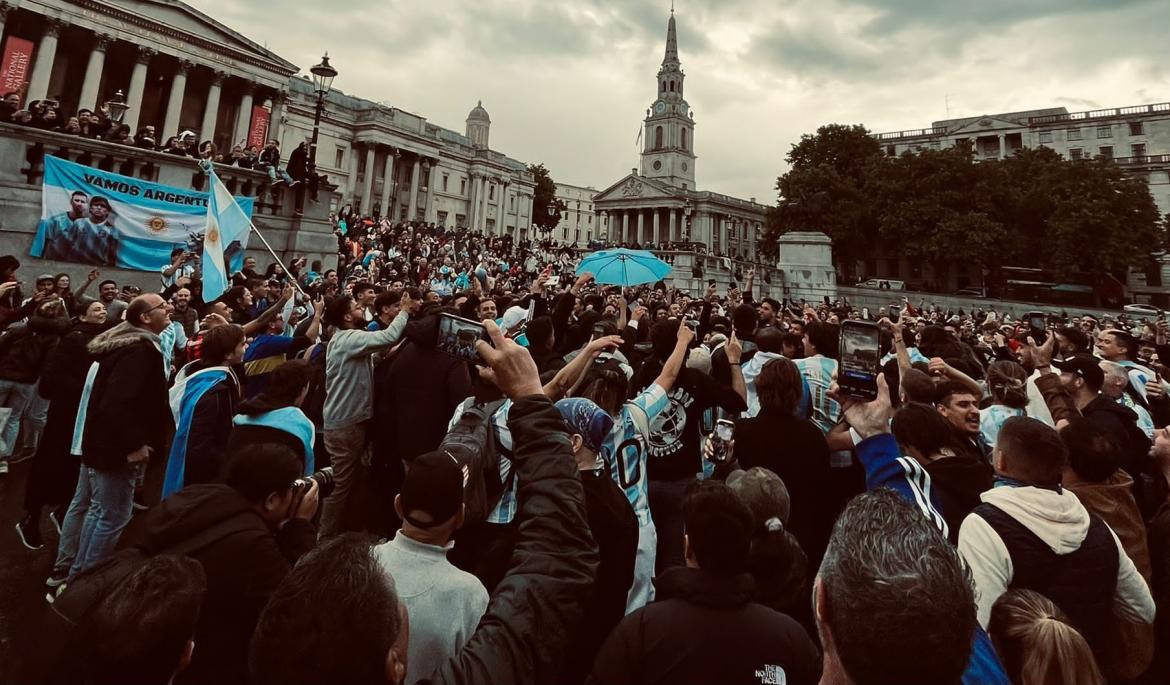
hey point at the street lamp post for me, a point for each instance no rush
(687, 223)
(323, 75)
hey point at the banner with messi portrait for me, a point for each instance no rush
(95, 217)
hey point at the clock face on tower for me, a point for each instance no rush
(657, 165)
(684, 166)
(660, 107)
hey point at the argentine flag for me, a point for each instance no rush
(224, 218)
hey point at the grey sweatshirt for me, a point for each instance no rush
(349, 372)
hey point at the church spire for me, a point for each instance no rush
(671, 57)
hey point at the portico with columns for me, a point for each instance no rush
(177, 68)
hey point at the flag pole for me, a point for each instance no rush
(210, 170)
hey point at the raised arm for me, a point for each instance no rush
(678, 357)
(572, 372)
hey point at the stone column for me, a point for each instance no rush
(641, 234)
(412, 208)
(5, 9)
(211, 109)
(137, 87)
(483, 203)
(276, 115)
(38, 82)
(671, 235)
(657, 228)
(1002, 147)
(502, 215)
(175, 100)
(353, 168)
(625, 226)
(368, 181)
(244, 117)
(470, 218)
(384, 204)
(93, 73)
(432, 171)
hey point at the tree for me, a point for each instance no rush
(825, 190)
(545, 193)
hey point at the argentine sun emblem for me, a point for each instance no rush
(213, 235)
(156, 224)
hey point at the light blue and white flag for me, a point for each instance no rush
(224, 218)
(95, 217)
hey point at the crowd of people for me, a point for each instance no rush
(329, 497)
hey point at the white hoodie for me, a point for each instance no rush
(1062, 522)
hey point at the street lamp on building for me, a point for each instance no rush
(687, 222)
(323, 75)
(117, 107)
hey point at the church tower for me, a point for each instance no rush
(479, 125)
(668, 139)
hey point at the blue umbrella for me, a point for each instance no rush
(624, 267)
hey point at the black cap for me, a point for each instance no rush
(432, 491)
(1086, 366)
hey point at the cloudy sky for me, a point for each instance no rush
(567, 83)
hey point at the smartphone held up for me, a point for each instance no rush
(457, 337)
(721, 438)
(860, 360)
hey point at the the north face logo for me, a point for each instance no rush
(772, 675)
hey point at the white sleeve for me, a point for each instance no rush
(1132, 598)
(990, 563)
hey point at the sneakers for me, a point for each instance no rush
(57, 517)
(4, 468)
(55, 585)
(30, 533)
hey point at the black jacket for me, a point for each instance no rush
(1121, 421)
(794, 449)
(615, 527)
(242, 568)
(959, 481)
(523, 636)
(211, 427)
(703, 628)
(128, 405)
(24, 348)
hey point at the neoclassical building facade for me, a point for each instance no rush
(660, 202)
(181, 70)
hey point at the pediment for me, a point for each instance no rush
(635, 187)
(986, 124)
(180, 17)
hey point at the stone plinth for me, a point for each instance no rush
(806, 260)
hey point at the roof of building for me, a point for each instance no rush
(479, 113)
(1017, 117)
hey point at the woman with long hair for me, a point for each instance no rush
(203, 402)
(1037, 643)
(1007, 382)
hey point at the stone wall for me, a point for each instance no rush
(22, 152)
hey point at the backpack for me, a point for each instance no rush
(472, 444)
(70, 611)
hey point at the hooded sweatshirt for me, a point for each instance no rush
(1062, 523)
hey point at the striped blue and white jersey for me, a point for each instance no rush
(818, 372)
(624, 451)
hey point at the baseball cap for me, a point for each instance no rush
(432, 491)
(1084, 365)
(586, 419)
(763, 492)
(45, 277)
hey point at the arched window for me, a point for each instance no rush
(684, 139)
(657, 137)
(672, 86)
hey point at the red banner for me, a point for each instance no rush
(259, 128)
(15, 65)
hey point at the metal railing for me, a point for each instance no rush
(1142, 159)
(1100, 113)
(913, 133)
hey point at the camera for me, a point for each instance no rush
(324, 479)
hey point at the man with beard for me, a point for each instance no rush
(94, 240)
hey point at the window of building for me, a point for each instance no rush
(1137, 150)
(445, 179)
(1104, 132)
(339, 158)
(460, 219)
(442, 216)
(1106, 151)
(491, 192)
(891, 150)
(684, 139)
(935, 145)
(672, 86)
(1137, 128)
(657, 137)
(463, 186)
(1073, 134)
(1046, 136)
(1075, 153)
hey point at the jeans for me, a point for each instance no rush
(71, 525)
(35, 415)
(347, 447)
(15, 396)
(273, 171)
(110, 507)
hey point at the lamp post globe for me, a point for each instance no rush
(323, 75)
(117, 107)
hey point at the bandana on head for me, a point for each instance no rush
(586, 419)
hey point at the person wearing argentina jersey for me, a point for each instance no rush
(625, 449)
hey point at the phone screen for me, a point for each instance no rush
(457, 336)
(724, 431)
(859, 359)
(895, 312)
(1038, 327)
